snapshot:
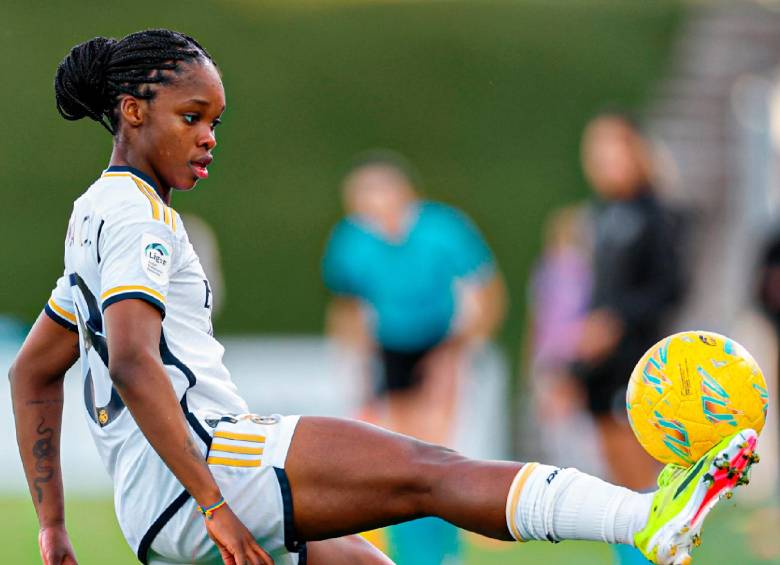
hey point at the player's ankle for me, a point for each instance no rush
(548, 503)
(632, 516)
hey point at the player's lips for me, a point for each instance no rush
(199, 166)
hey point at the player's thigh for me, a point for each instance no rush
(347, 476)
(347, 550)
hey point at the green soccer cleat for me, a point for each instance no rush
(686, 495)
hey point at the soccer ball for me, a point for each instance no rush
(689, 391)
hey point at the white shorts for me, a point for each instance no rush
(246, 457)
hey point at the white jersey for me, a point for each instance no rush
(123, 242)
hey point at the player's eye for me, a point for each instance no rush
(190, 118)
(215, 123)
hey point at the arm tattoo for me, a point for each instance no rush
(44, 452)
(53, 401)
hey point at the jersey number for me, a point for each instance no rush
(207, 303)
(92, 332)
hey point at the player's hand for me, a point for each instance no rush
(235, 543)
(55, 548)
(600, 335)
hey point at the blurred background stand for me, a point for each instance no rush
(716, 117)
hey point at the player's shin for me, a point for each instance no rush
(553, 504)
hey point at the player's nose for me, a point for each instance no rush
(208, 140)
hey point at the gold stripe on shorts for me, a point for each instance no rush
(236, 449)
(239, 437)
(233, 462)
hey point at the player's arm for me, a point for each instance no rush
(36, 377)
(488, 303)
(345, 318)
(482, 297)
(133, 329)
(345, 321)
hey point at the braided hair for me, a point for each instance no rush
(92, 77)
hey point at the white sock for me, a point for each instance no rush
(553, 504)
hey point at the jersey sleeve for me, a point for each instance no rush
(137, 252)
(336, 263)
(470, 253)
(60, 306)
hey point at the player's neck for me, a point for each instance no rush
(125, 158)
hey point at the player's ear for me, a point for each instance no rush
(132, 111)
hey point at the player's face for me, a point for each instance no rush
(178, 133)
(381, 196)
(612, 158)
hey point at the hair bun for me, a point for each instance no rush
(80, 84)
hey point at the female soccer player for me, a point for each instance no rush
(189, 464)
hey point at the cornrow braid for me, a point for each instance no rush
(92, 77)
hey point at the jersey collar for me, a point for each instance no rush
(133, 171)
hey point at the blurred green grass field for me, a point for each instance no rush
(96, 538)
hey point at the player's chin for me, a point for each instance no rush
(186, 182)
(188, 185)
(185, 178)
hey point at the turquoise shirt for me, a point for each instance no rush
(409, 284)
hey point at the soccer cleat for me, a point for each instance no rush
(686, 495)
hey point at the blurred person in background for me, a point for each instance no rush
(417, 288)
(769, 301)
(637, 282)
(204, 241)
(761, 331)
(559, 295)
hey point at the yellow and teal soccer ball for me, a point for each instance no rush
(689, 391)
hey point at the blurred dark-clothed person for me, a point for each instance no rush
(769, 301)
(637, 282)
(417, 288)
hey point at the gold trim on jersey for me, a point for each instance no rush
(132, 288)
(152, 201)
(239, 437)
(155, 202)
(236, 449)
(229, 462)
(61, 311)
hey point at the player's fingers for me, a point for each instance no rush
(227, 557)
(69, 559)
(251, 557)
(238, 555)
(255, 550)
(265, 558)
